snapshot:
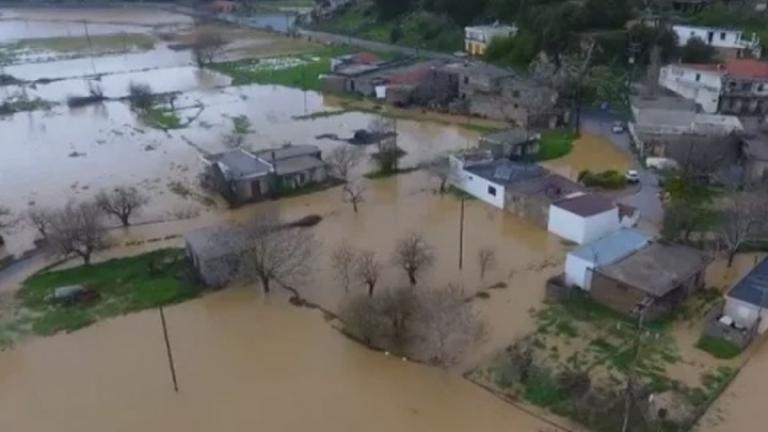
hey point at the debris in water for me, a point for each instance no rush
(76, 154)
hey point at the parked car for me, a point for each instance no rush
(618, 127)
(632, 176)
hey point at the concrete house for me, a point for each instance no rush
(477, 38)
(215, 252)
(654, 280)
(747, 302)
(584, 218)
(700, 83)
(514, 144)
(581, 262)
(729, 43)
(242, 176)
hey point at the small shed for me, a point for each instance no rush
(747, 301)
(216, 252)
(581, 262)
(584, 218)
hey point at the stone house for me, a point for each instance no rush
(242, 176)
(655, 279)
(516, 144)
(215, 253)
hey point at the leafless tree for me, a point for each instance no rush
(447, 324)
(276, 252)
(207, 46)
(743, 218)
(353, 194)
(414, 255)
(343, 159)
(140, 96)
(441, 170)
(77, 230)
(343, 260)
(486, 260)
(40, 218)
(122, 202)
(382, 126)
(368, 270)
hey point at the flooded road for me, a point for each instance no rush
(243, 363)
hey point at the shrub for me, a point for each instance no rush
(610, 179)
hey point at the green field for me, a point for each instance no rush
(555, 144)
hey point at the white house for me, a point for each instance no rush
(477, 38)
(748, 299)
(580, 262)
(728, 42)
(583, 218)
(699, 83)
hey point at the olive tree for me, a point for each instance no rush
(368, 270)
(414, 255)
(207, 46)
(122, 202)
(77, 230)
(40, 218)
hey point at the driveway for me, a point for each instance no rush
(647, 198)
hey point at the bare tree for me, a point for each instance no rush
(140, 96)
(353, 194)
(122, 202)
(40, 218)
(207, 46)
(343, 159)
(486, 260)
(343, 260)
(277, 252)
(441, 170)
(382, 126)
(447, 324)
(414, 255)
(368, 270)
(77, 230)
(743, 218)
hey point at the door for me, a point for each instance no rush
(256, 189)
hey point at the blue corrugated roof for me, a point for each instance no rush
(613, 247)
(751, 288)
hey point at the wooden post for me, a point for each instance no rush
(168, 350)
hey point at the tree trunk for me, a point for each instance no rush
(731, 257)
(86, 258)
(442, 186)
(265, 284)
(124, 219)
(354, 205)
(370, 289)
(412, 278)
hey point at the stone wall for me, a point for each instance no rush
(715, 329)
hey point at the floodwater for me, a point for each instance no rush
(243, 363)
(591, 152)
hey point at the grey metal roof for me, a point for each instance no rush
(297, 164)
(287, 152)
(753, 288)
(657, 269)
(612, 247)
(505, 172)
(239, 164)
(217, 241)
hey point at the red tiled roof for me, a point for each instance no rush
(413, 76)
(747, 68)
(706, 67)
(366, 58)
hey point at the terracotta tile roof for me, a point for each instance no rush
(747, 68)
(707, 67)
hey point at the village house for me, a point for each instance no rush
(585, 217)
(737, 86)
(728, 43)
(477, 38)
(746, 304)
(516, 144)
(581, 262)
(653, 280)
(242, 176)
(215, 252)
(525, 190)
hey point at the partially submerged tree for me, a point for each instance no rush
(441, 170)
(40, 218)
(77, 230)
(122, 202)
(744, 218)
(207, 46)
(414, 255)
(343, 260)
(368, 270)
(343, 159)
(448, 324)
(277, 252)
(353, 194)
(486, 260)
(140, 96)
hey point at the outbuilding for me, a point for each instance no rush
(583, 218)
(581, 262)
(747, 302)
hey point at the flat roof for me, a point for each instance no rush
(506, 172)
(612, 247)
(753, 288)
(658, 268)
(217, 241)
(288, 151)
(239, 164)
(297, 164)
(586, 205)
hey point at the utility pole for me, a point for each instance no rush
(169, 352)
(640, 310)
(461, 233)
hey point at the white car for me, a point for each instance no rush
(617, 128)
(632, 176)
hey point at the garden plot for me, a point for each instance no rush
(578, 361)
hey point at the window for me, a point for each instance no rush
(760, 87)
(698, 77)
(722, 35)
(746, 86)
(492, 190)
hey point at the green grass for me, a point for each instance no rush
(161, 118)
(719, 348)
(555, 144)
(542, 389)
(125, 285)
